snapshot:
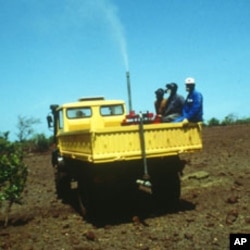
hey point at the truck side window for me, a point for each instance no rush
(60, 119)
(111, 110)
(76, 113)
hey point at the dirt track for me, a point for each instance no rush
(214, 203)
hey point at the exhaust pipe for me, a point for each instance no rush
(129, 92)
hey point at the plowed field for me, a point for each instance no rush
(215, 201)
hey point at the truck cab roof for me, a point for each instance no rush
(92, 102)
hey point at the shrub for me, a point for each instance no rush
(13, 175)
(41, 143)
(213, 122)
(229, 120)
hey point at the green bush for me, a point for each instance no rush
(13, 174)
(213, 122)
(41, 143)
(230, 119)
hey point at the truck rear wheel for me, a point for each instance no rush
(81, 204)
(165, 178)
(167, 192)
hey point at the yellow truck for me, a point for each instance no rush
(104, 155)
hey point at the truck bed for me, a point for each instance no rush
(120, 143)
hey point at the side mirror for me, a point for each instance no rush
(50, 121)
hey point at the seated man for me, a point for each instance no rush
(175, 103)
(160, 102)
(193, 107)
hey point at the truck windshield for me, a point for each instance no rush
(111, 110)
(76, 113)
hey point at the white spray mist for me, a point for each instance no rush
(105, 13)
(118, 31)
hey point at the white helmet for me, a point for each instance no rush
(190, 80)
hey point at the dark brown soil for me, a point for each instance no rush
(214, 202)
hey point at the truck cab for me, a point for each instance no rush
(89, 113)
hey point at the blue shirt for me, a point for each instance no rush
(193, 108)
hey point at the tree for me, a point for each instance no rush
(229, 119)
(13, 174)
(4, 135)
(213, 122)
(25, 127)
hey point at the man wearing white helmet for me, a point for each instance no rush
(193, 106)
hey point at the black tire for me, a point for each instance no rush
(165, 178)
(81, 204)
(62, 183)
(167, 192)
